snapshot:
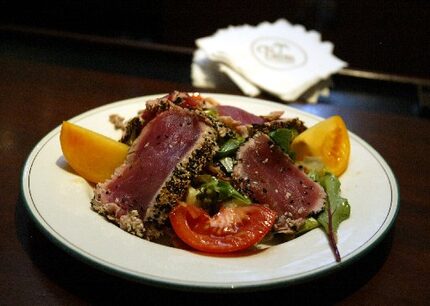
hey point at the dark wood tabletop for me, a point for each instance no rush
(41, 87)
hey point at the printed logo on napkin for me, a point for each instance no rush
(279, 58)
(278, 53)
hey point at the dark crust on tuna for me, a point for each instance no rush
(174, 188)
(267, 127)
(132, 130)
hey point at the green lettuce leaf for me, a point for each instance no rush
(309, 224)
(337, 209)
(230, 147)
(213, 191)
(283, 138)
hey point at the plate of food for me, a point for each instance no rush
(209, 191)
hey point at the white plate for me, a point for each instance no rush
(59, 201)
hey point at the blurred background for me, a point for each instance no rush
(377, 35)
(389, 39)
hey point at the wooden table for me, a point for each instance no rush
(37, 94)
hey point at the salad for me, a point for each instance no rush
(212, 177)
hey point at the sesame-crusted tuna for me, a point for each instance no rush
(268, 176)
(173, 147)
(239, 114)
(266, 127)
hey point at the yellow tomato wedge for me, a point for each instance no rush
(92, 155)
(327, 140)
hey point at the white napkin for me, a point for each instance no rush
(282, 59)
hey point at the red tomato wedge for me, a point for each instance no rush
(192, 101)
(230, 230)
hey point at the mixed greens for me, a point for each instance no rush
(211, 193)
(227, 208)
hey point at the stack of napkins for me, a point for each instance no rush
(282, 59)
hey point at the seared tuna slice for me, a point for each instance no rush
(239, 114)
(171, 149)
(268, 176)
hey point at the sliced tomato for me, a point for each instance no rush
(230, 230)
(327, 140)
